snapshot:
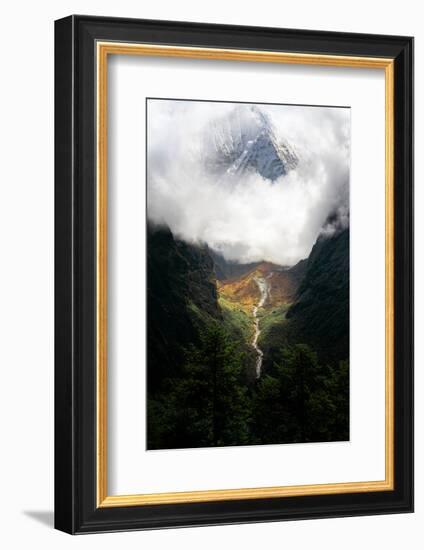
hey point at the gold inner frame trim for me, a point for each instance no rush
(103, 50)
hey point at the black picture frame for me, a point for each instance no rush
(76, 509)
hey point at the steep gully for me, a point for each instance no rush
(264, 289)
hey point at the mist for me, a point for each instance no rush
(247, 217)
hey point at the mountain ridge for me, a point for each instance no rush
(246, 141)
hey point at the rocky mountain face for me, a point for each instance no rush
(245, 141)
(225, 269)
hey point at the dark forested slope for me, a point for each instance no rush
(319, 315)
(321, 311)
(182, 297)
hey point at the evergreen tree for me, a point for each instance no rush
(209, 404)
(302, 400)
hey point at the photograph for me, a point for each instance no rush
(247, 273)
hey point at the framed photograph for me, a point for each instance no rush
(234, 274)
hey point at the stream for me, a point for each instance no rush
(264, 288)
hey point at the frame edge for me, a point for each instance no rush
(64, 448)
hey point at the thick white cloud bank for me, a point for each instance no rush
(243, 215)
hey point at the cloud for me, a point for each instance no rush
(246, 217)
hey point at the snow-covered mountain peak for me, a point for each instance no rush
(245, 140)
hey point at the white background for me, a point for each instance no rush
(131, 468)
(26, 285)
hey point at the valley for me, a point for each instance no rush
(257, 300)
(246, 354)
